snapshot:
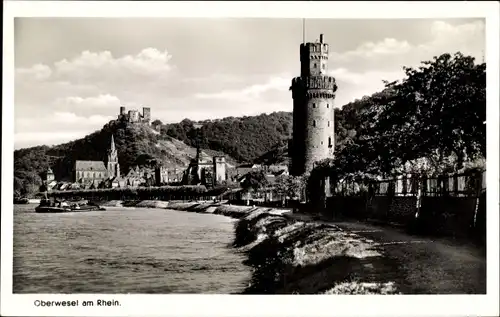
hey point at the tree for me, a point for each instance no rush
(282, 186)
(289, 186)
(254, 180)
(440, 107)
(157, 122)
(436, 112)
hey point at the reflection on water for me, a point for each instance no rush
(125, 251)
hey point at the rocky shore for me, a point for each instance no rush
(290, 256)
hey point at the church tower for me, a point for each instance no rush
(313, 95)
(113, 165)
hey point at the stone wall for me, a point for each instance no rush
(345, 207)
(402, 210)
(442, 216)
(480, 227)
(450, 216)
(378, 207)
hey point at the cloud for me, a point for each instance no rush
(55, 128)
(36, 72)
(359, 84)
(62, 122)
(343, 74)
(98, 102)
(360, 71)
(101, 71)
(27, 139)
(101, 66)
(219, 77)
(386, 47)
(252, 92)
(72, 118)
(391, 53)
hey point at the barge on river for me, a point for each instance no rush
(46, 206)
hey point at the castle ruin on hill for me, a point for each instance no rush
(134, 116)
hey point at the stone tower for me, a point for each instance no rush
(219, 169)
(313, 95)
(113, 165)
(146, 114)
(161, 175)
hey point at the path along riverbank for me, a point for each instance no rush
(294, 254)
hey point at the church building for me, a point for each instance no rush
(97, 171)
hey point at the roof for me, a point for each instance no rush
(244, 170)
(133, 173)
(118, 179)
(280, 172)
(63, 186)
(90, 166)
(248, 165)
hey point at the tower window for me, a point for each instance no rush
(314, 123)
(328, 123)
(314, 105)
(329, 141)
(327, 105)
(323, 66)
(314, 65)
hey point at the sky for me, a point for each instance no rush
(72, 74)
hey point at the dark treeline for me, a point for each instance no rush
(143, 193)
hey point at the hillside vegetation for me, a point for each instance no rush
(243, 138)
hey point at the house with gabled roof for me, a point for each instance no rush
(135, 181)
(118, 182)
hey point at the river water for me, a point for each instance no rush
(125, 250)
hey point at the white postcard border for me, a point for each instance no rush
(238, 305)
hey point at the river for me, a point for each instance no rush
(125, 250)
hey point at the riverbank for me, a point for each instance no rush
(294, 254)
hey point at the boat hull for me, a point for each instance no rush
(21, 201)
(46, 209)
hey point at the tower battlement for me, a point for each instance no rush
(314, 82)
(313, 94)
(314, 58)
